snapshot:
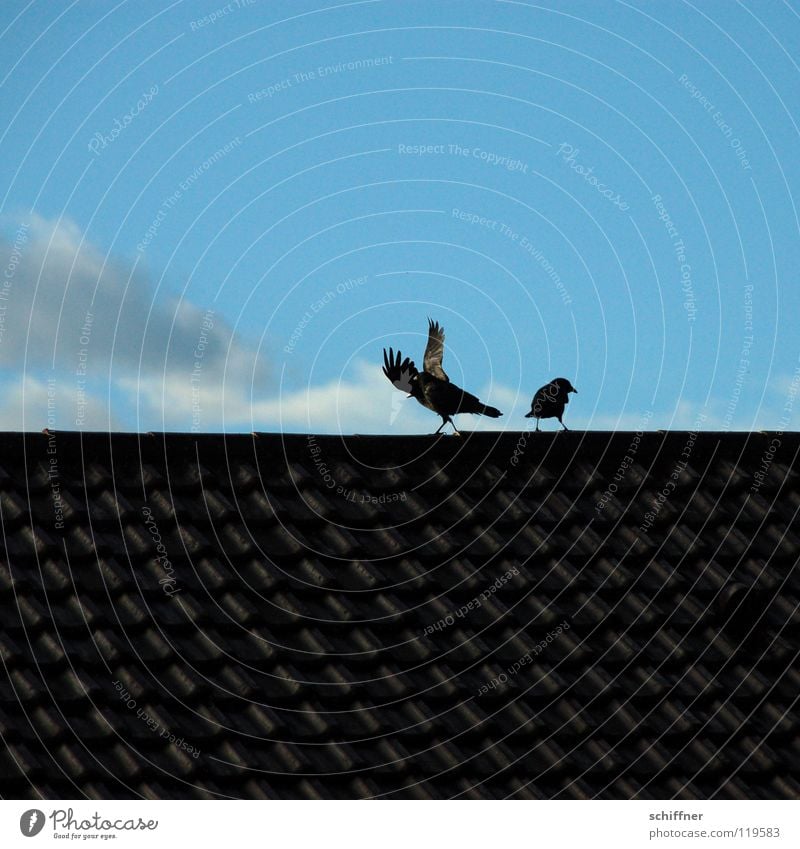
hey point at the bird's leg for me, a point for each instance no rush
(537, 425)
(444, 422)
(455, 432)
(562, 424)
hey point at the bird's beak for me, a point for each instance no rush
(575, 391)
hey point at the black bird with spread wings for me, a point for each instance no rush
(431, 386)
(550, 400)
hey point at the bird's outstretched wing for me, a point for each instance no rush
(432, 361)
(399, 370)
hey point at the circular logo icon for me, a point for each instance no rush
(31, 822)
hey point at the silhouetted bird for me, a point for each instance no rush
(432, 387)
(550, 400)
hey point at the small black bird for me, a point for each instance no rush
(550, 400)
(432, 387)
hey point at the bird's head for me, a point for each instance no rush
(564, 385)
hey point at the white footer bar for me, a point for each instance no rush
(402, 824)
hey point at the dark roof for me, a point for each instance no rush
(476, 626)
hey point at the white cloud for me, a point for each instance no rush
(364, 402)
(68, 312)
(66, 296)
(34, 403)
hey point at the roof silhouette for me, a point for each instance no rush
(559, 615)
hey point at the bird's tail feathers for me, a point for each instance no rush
(530, 415)
(492, 412)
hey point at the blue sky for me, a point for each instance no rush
(215, 216)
